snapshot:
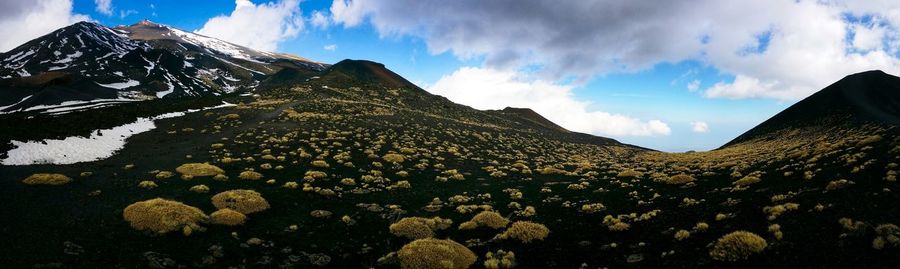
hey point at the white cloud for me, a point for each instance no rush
(699, 127)
(331, 47)
(21, 21)
(792, 47)
(694, 85)
(484, 88)
(868, 37)
(350, 14)
(260, 27)
(319, 19)
(126, 13)
(104, 7)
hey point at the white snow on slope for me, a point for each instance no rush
(100, 145)
(16, 103)
(121, 85)
(214, 44)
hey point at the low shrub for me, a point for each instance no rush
(418, 227)
(47, 179)
(679, 179)
(435, 253)
(250, 175)
(227, 217)
(525, 231)
(488, 219)
(244, 201)
(162, 216)
(393, 158)
(199, 169)
(737, 245)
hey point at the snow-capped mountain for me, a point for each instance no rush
(88, 65)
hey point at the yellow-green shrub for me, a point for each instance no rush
(737, 245)
(250, 175)
(146, 184)
(525, 231)
(162, 216)
(393, 158)
(199, 188)
(679, 179)
(418, 227)
(244, 201)
(199, 169)
(746, 181)
(47, 179)
(485, 219)
(435, 253)
(227, 217)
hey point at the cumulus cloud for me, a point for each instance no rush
(694, 85)
(775, 49)
(331, 47)
(484, 88)
(104, 7)
(699, 127)
(319, 19)
(21, 21)
(261, 26)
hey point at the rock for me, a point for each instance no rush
(157, 260)
(72, 249)
(319, 259)
(633, 258)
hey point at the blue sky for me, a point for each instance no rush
(648, 78)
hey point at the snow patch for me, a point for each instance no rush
(100, 145)
(121, 85)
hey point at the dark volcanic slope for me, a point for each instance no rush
(530, 115)
(867, 97)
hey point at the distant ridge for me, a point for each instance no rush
(532, 116)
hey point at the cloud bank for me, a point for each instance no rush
(261, 26)
(775, 49)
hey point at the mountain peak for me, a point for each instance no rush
(866, 97)
(369, 72)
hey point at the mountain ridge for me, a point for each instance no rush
(866, 97)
